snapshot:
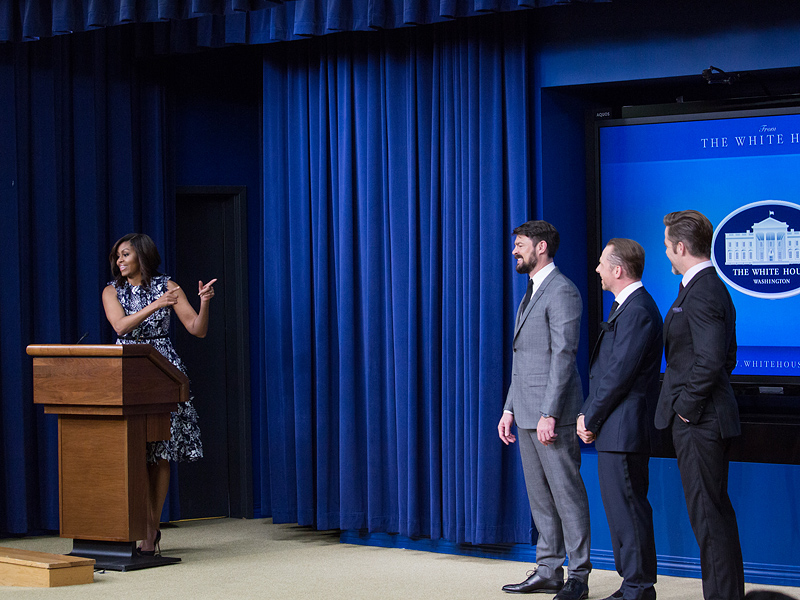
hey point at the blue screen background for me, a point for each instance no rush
(648, 170)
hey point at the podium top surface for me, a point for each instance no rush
(90, 350)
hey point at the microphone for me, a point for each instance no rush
(82, 338)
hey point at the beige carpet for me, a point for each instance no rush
(234, 558)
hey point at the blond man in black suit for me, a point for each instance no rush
(697, 399)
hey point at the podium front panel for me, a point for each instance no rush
(91, 381)
(103, 477)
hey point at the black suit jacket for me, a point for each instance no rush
(700, 348)
(623, 378)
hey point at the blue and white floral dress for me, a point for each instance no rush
(185, 443)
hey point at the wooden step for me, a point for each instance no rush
(39, 569)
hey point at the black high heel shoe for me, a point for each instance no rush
(156, 551)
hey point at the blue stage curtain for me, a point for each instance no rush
(396, 165)
(221, 22)
(82, 162)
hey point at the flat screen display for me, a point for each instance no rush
(740, 169)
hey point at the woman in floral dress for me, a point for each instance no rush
(138, 304)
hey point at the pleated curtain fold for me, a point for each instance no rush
(396, 166)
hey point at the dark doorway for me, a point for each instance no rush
(211, 243)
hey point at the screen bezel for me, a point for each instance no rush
(775, 387)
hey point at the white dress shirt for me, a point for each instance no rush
(687, 277)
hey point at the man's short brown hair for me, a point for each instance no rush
(627, 254)
(693, 229)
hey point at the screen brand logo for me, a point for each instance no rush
(756, 249)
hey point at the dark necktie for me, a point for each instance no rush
(680, 287)
(614, 308)
(528, 295)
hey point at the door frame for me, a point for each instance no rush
(237, 347)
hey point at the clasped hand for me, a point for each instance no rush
(546, 430)
(504, 429)
(587, 436)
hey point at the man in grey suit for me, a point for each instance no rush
(544, 399)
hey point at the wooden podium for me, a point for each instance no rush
(110, 400)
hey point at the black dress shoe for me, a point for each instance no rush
(574, 589)
(534, 584)
(615, 596)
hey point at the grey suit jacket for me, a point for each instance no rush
(544, 375)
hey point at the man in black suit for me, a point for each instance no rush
(697, 400)
(618, 414)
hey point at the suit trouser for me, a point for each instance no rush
(703, 463)
(558, 501)
(624, 481)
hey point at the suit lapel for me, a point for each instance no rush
(534, 299)
(613, 318)
(682, 296)
(671, 311)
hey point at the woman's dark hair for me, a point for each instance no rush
(146, 252)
